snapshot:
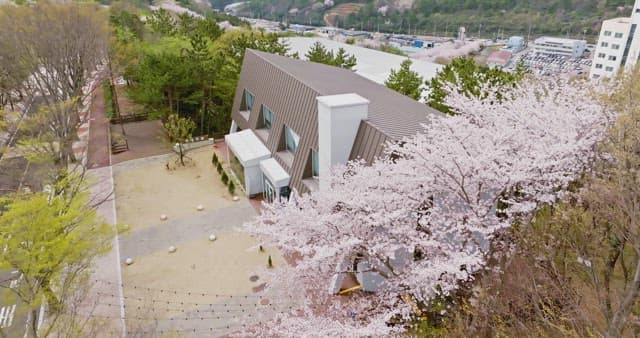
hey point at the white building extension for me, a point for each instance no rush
(559, 46)
(618, 45)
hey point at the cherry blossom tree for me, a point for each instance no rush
(423, 217)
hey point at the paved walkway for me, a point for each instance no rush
(192, 227)
(99, 147)
(107, 268)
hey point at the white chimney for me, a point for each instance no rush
(339, 118)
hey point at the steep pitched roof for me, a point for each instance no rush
(392, 113)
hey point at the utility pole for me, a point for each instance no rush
(446, 29)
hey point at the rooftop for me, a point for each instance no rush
(372, 64)
(500, 57)
(247, 147)
(619, 20)
(551, 39)
(392, 113)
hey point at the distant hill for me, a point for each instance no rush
(488, 17)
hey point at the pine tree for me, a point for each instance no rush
(405, 81)
(318, 53)
(344, 60)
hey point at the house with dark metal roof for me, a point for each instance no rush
(293, 120)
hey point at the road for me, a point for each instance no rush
(13, 315)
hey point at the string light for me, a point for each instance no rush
(188, 293)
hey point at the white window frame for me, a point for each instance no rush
(288, 132)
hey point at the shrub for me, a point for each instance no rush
(107, 88)
(214, 159)
(219, 168)
(231, 187)
(269, 262)
(225, 178)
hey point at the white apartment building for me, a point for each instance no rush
(559, 46)
(618, 45)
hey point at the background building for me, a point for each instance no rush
(515, 44)
(372, 64)
(499, 58)
(618, 45)
(559, 46)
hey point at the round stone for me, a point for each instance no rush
(236, 198)
(129, 261)
(212, 237)
(254, 278)
(172, 249)
(200, 207)
(163, 217)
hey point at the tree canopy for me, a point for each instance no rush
(405, 81)
(423, 219)
(185, 65)
(51, 238)
(177, 130)
(318, 53)
(472, 79)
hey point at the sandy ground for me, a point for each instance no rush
(222, 267)
(204, 288)
(145, 189)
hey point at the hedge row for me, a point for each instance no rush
(225, 179)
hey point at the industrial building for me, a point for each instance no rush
(372, 64)
(515, 44)
(618, 45)
(559, 46)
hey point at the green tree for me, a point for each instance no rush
(465, 75)
(52, 239)
(162, 22)
(203, 67)
(318, 53)
(177, 130)
(405, 81)
(344, 60)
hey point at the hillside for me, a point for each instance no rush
(486, 17)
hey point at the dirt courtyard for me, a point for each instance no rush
(202, 278)
(145, 189)
(145, 139)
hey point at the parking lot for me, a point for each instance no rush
(543, 64)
